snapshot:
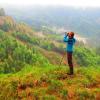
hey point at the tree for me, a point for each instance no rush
(2, 12)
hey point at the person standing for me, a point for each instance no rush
(70, 41)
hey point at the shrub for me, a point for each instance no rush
(55, 86)
(64, 94)
(83, 94)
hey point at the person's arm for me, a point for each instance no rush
(65, 38)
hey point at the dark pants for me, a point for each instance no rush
(70, 63)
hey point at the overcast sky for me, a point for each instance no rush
(76, 3)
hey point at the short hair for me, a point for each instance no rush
(72, 33)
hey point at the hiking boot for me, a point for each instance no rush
(69, 74)
(71, 71)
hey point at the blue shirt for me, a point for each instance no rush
(69, 43)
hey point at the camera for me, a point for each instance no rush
(66, 33)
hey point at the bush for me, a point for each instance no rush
(14, 56)
(64, 94)
(86, 57)
(83, 94)
(55, 86)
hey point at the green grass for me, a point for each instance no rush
(84, 94)
(41, 82)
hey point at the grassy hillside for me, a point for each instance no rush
(29, 66)
(51, 83)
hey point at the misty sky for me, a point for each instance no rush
(76, 3)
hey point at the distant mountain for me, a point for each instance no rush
(84, 21)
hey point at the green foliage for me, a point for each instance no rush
(54, 89)
(47, 45)
(84, 94)
(49, 97)
(14, 56)
(64, 94)
(55, 86)
(26, 38)
(7, 24)
(69, 81)
(98, 50)
(5, 27)
(36, 95)
(86, 57)
(44, 43)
